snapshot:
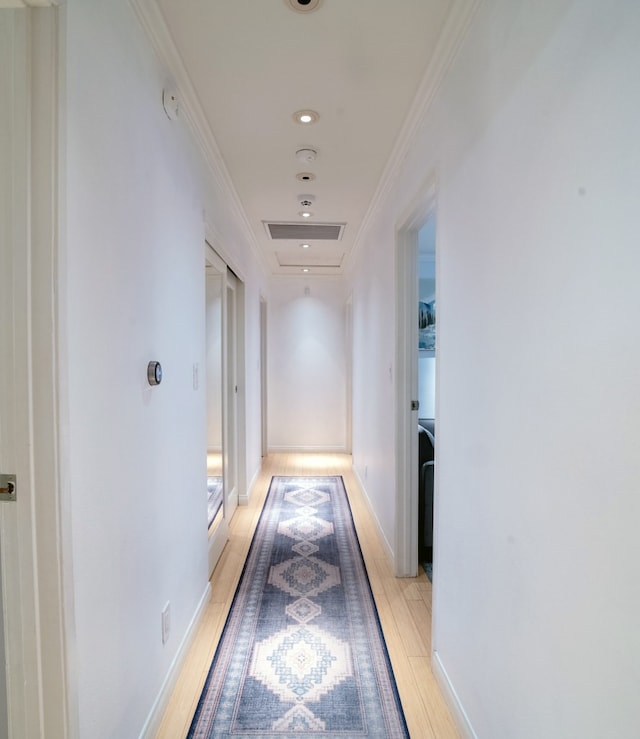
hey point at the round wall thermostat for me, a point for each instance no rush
(154, 373)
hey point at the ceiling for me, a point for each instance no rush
(251, 64)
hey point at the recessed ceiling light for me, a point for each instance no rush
(303, 6)
(305, 177)
(305, 117)
(305, 246)
(305, 214)
(306, 269)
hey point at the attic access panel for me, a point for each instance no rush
(305, 231)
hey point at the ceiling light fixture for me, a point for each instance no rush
(305, 177)
(305, 214)
(306, 269)
(305, 246)
(303, 6)
(306, 117)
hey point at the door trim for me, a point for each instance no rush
(349, 362)
(36, 530)
(406, 422)
(264, 388)
(214, 265)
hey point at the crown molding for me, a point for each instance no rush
(453, 33)
(155, 27)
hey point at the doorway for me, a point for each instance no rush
(349, 371)
(230, 456)
(264, 419)
(217, 521)
(426, 271)
(408, 470)
(224, 331)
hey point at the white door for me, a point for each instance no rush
(217, 518)
(231, 400)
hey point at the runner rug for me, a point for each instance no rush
(302, 652)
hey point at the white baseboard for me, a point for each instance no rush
(363, 490)
(245, 497)
(451, 698)
(308, 449)
(154, 718)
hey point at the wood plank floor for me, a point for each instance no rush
(404, 606)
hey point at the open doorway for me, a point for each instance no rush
(426, 269)
(410, 314)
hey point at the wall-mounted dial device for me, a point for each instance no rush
(154, 373)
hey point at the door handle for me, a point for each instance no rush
(7, 487)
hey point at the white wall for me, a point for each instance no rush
(306, 364)
(133, 290)
(533, 137)
(373, 379)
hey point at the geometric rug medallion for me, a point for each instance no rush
(302, 652)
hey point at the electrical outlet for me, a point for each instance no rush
(166, 622)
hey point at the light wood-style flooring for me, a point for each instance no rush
(404, 606)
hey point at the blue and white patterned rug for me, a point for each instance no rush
(302, 652)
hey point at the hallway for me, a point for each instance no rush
(120, 161)
(404, 607)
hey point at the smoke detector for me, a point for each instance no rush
(306, 201)
(306, 156)
(171, 103)
(303, 6)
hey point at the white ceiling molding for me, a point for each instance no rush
(191, 110)
(455, 28)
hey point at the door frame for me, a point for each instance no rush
(406, 421)
(220, 536)
(35, 529)
(215, 240)
(348, 317)
(230, 383)
(264, 387)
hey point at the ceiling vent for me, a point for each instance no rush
(305, 231)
